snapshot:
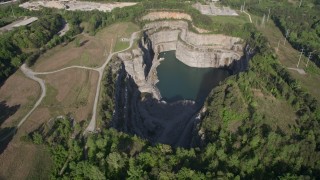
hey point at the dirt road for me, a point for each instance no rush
(32, 75)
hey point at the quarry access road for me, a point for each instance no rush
(32, 75)
(92, 125)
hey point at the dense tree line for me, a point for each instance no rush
(34, 36)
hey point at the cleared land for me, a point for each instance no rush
(75, 5)
(289, 57)
(212, 9)
(92, 52)
(68, 91)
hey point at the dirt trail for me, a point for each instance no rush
(32, 75)
(92, 125)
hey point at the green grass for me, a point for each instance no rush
(238, 20)
(42, 164)
(120, 45)
(275, 112)
(50, 101)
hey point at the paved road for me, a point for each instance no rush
(32, 75)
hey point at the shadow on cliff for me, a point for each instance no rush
(148, 54)
(242, 64)
(173, 99)
(210, 80)
(157, 121)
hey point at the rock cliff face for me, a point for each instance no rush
(139, 107)
(195, 50)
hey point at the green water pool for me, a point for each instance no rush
(178, 81)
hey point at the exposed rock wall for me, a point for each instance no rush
(212, 40)
(192, 49)
(195, 50)
(204, 57)
(166, 15)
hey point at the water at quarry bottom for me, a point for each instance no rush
(177, 81)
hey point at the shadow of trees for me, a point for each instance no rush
(7, 133)
(7, 111)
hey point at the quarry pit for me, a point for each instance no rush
(140, 108)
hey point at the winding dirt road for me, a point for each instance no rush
(32, 75)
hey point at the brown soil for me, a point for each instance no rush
(18, 94)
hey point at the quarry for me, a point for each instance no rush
(140, 107)
(74, 5)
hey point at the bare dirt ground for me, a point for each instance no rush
(70, 91)
(18, 93)
(75, 5)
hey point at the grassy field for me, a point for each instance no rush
(92, 51)
(24, 160)
(277, 112)
(17, 96)
(71, 91)
(241, 19)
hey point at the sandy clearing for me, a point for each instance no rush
(21, 92)
(75, 5)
